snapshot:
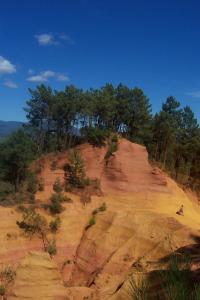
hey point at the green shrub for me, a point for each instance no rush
(33, 223)
(75, 171)
(58, 187)
(113, 146)
(176, 279)
(55, 207)
(91, 222)
(56, 200)
(54, 225)
(95, 135)
(138, 289)
(32, 183)
(103, 207)
(114, 138)
(6, 188)
(51, 248)
(100, 209)
(2, 290)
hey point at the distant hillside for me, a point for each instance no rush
(7, 127)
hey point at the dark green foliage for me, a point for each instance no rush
(58, 187)
(55, 206)
(32, 183)
(176, 140)
(56, 201)
(6, 189)
(176, 279)
(32, 223)
(16, 153)
(101, 208)
(51, 248)
(95, 135)
(2, 290)
(112, 147)
(138, 289)
(75, 171)
(92, 221)
(54, 225)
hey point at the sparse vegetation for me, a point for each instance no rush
(34, 224)
(51, 248)
(7, 276)
(92, 221)
(112, 147)
(101, 208)
(58, 187)
(138, 288)
(75, 171)
(55, 224)
(56, 201)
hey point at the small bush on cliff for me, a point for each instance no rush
(100, 209)
(51, 248)
(112, 147)
(32, 183)
(58, 187)
(34, 224)
(56, 201)
(2, 290)
(54, 225)
(75, 171)
(91, 222)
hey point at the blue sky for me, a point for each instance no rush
(151, 44)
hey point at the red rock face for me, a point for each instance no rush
(137, 229)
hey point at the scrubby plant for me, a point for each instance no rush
(51, 248)
(100, 209)
(92, 221)
(112, 147)
(32, 183)
(55, 224)
(95, 135)
(56, 201)
(7, 276)
(176, 279)
(34, 224)
(2, 290)
(58, 187)
(75, 171)
(138, 289)
(55, 205)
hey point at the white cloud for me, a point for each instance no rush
(44, 76)
(62, 77)
(66, 38)
(6, 67)
(10, 84)
(195, 94)
(45, 39)
(48, 39)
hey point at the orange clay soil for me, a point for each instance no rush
(137, 230)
